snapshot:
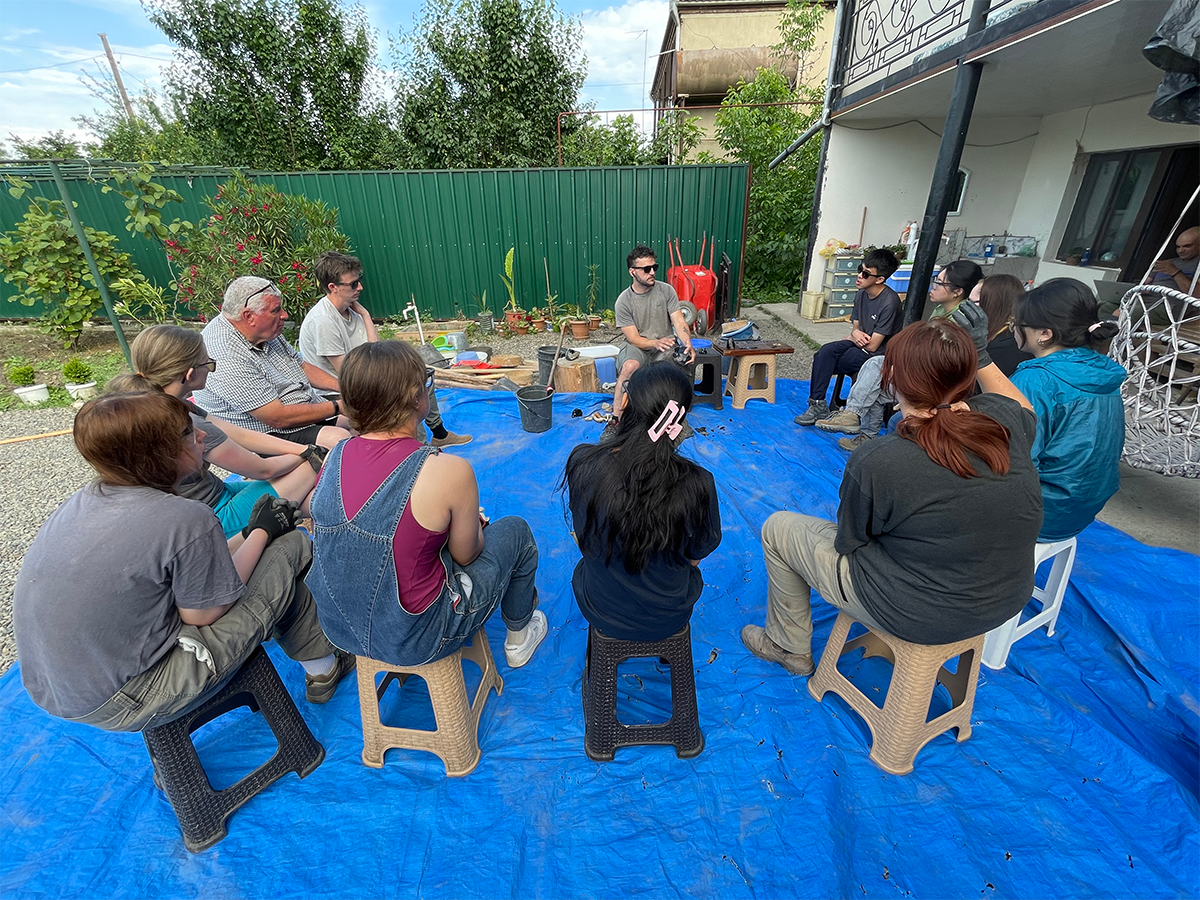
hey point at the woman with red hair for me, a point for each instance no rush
(935, 530)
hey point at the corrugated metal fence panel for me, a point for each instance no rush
(442, 236)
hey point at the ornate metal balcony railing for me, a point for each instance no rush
(889, 35)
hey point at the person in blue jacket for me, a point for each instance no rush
(1076, 393)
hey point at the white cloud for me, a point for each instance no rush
(621, 59)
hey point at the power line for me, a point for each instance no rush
(51, 65)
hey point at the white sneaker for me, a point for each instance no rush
(519, 654)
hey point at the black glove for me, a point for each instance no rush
(315, 455)
(975, 321)
(274, 515)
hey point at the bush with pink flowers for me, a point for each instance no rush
(255, 230)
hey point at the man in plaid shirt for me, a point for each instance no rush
(260, 381)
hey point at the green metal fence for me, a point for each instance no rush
(442, 236)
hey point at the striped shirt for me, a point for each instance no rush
(249, 377)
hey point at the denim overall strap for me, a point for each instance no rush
(353, 576)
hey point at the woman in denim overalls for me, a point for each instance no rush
(403, 570)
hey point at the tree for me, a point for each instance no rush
(781, 198)
(276, 84)
(622, 143)
(55, 145)
(483, 82)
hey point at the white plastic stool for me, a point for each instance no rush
(999, 640)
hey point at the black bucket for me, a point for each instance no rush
(546, 362)
(536, 410)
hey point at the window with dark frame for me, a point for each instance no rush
(1110, 209)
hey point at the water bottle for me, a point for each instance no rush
(989, 250)
(1086, 259)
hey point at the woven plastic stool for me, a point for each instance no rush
(706, 378)
(603, 733)
(750, 377)
(456, 738)
(201, 810)
(899, 730)
(999, 640)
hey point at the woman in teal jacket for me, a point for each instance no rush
(1076, 393)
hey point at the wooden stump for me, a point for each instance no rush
(574, 375)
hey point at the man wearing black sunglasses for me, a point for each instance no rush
(339, 323)
(647, 312)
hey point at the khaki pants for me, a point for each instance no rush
(276, 604)
(799, 555)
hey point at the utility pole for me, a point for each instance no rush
(117, 75)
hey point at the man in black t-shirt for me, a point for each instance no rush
(875, 318)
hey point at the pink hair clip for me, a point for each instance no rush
(668, 422)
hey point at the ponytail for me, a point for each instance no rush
(946, 435)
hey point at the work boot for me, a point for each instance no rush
(843, 421)
(320, 688)
(817, 409)
(855, 442)
(756, 641)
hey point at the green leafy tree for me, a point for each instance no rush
(42, 258)
(276, 84)
(483, 82)
(622, 143)
(780, 198)
(255, 230)
(154, 135)
(55, 145)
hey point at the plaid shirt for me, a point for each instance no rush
(248, 377)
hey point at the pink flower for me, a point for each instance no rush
(283, 279)
(256, 259)
(265, 207)
(220, 219)
(241, 246)
(203, 317)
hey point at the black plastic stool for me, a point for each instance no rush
(707, 389)
(838, 401)
(201, 810)
(603, 734)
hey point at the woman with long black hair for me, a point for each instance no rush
(644, 516)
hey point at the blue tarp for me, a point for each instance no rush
(1079, 779)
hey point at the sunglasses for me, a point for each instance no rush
(210, 364)
(261, 290)
(189, 431)
(646, 269)
(938, 283)
(428, 378)
(356, 283)
(865, 273)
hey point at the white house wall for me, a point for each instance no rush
(889, 171)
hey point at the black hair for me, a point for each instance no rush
(641, 251)
(1068, 309)
(963, 274)
(883, 261)
(647, 498)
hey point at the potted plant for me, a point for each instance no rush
(78, 375)
(521, 325)
(537, 321)
(487, 322)
(513, 312)
(578, 322)
(22, 375)
(592, 291)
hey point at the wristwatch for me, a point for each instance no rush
(337, 408)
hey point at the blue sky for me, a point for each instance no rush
(46, 45)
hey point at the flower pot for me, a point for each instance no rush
(35, 393)
(593, 323)
(512, 316)
(537, 324)
(85, 391)
(487, 323)
(579, 329)
(521, 327)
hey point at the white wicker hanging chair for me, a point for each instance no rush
(1162, 413)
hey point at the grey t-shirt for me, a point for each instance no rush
(95, 602)
(935, 557)
(649, 313)
(204, 485)
(324, 333)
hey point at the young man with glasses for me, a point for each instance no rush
(339, 323)
(650, 318)
(875, 318)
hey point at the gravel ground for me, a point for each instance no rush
(37, 475)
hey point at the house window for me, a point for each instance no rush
(1111, 201)
(960, 192)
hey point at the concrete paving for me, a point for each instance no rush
(1158, 510)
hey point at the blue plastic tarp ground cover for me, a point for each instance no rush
(1078, 780)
